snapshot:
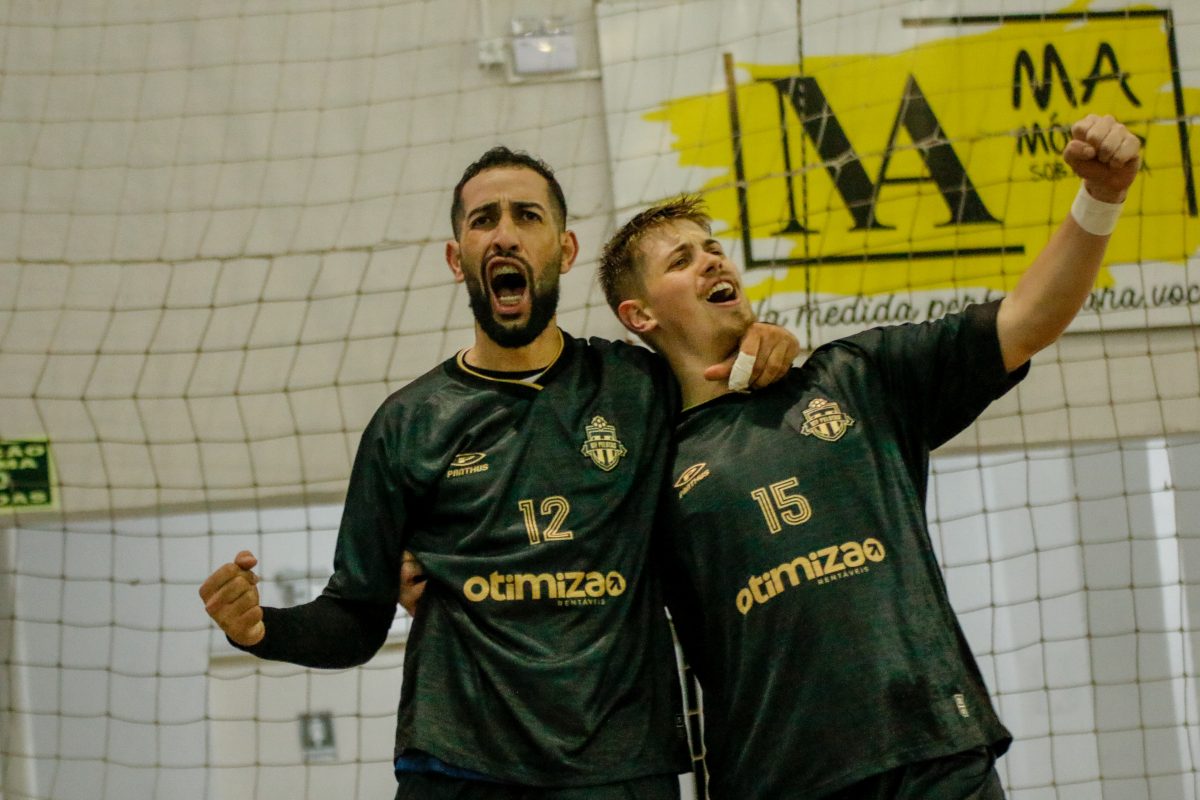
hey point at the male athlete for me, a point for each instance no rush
(798, 564)
(523, 473)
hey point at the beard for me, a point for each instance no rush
(543, 299)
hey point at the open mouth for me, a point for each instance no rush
(722, 292)
(509, 288)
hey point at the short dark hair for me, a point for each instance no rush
(618, 273)
(498, 158)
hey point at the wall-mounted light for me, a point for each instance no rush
(542, 45)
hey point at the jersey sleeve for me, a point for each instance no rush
(944, 373)
(327, 633)
(371, 538)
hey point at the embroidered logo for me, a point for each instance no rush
(602, 445)
(466, 464)
(825, 420)
(690, 477)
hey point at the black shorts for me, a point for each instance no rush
(428, 786)
(969, 775)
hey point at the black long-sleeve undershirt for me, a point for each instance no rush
(329, 633)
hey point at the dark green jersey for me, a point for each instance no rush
(541, 654)
(803, 581)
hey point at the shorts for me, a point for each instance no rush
(969, 775)
(430, 786)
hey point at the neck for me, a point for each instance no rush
(696, 389)
(486, 354)
(689, 366)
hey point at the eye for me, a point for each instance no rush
(530, 215)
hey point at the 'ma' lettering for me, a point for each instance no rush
(1024, 72)
(859, 194)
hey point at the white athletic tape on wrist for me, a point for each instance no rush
(739, 376)
(1095, 216)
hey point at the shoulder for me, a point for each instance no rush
(433, 390)
(618, 350)
(624, 358)
(974, 322)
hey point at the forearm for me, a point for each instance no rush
(1105, 154)
(327, 633)
(1050, 293)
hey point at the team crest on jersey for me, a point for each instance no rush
(602, 445)
(690, 477)
(825, 420)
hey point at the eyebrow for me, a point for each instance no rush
(494, 205)
(682, 247)
(687, 246)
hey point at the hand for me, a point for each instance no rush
(230, 597)
(412, 583)
(1105, 154)
(774, 349)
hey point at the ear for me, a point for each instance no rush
(635, 316)
(454, 260)
(570, 250)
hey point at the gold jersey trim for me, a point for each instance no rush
(461, 360)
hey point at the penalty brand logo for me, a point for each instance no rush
(914, 181)
(467, 464)
(690, 477)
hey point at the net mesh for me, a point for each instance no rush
(221, 246)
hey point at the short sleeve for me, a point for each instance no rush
(943, 373)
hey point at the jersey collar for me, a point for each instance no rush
(466, 369)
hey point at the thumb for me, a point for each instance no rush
(721, 371)
(1078, 151)
(245, 560)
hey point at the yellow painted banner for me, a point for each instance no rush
(933, 172)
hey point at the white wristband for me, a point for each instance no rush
(739, 374)
(1095, 216)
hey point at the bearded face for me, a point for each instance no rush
(512, 301)
(510, 251)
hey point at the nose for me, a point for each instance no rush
(504, 236)
(712, 262)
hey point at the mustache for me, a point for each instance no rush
(488, 259)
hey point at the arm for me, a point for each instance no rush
(328, 632)
(1048, 296)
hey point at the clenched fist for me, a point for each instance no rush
(1105, 154)
(230, 597)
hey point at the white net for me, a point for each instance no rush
(221, 235)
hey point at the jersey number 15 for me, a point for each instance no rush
(777, 502)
